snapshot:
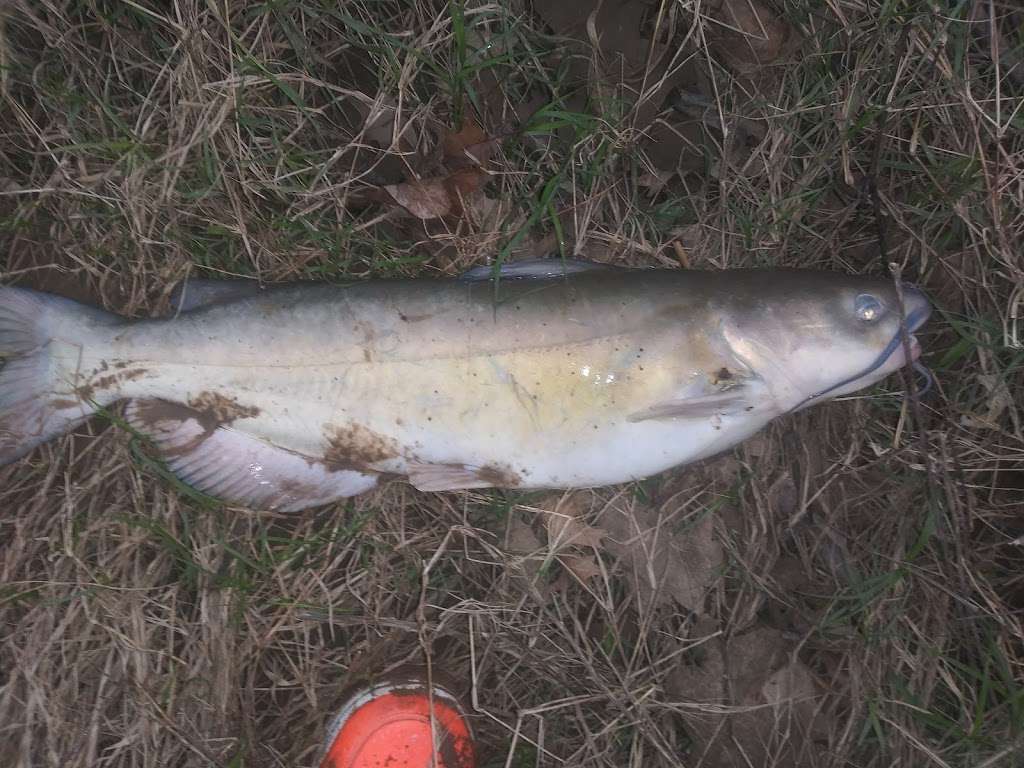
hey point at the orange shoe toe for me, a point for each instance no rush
(389, 726)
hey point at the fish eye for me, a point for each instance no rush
(867, 307)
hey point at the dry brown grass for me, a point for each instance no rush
(868, 549)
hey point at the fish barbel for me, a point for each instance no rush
(294, 396)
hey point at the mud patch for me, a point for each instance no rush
(161, 418)
(86, 392)
(355, 447)
(298, 489)
(207, 411)
(221, 408)
(289, 491)
(498, 476)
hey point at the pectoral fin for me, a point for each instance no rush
(697, 407)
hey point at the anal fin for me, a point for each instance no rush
(447, 477)
(236, 467)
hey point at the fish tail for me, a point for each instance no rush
(36, 403)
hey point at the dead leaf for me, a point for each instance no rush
(424, 199)
(469, 134)
(383, 139)
(761, 707)
(468, 147)
(653, 182)
(521, 540)
(674, 147)
(792, 685)
(626, 63)
(783, 497)
(700, 674)
(999, 399)
(435, 197)
(749, 34)
(438, 197)
(788, 601)
(378, 119)
(663, 557)
(566, 527)
(583, 568)
(612, 26)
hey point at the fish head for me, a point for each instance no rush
(811, 336)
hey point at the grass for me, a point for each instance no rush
(876, 543)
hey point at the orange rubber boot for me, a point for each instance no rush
(388, 725)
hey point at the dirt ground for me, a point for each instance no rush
(844, 589)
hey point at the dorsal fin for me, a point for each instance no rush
(199, 292)
(535, 269)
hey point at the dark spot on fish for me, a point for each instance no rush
(355, 447)
(367, 357)
(120, 364)
(221, 408)
(499, 477)
(723, 374)
(414, 318)
(368, 331)
(62, 403)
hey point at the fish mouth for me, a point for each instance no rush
(918, 317)
(915, 347)
(893, 356)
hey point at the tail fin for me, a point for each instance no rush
(36, 404)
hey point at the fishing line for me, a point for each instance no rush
(929, 379)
